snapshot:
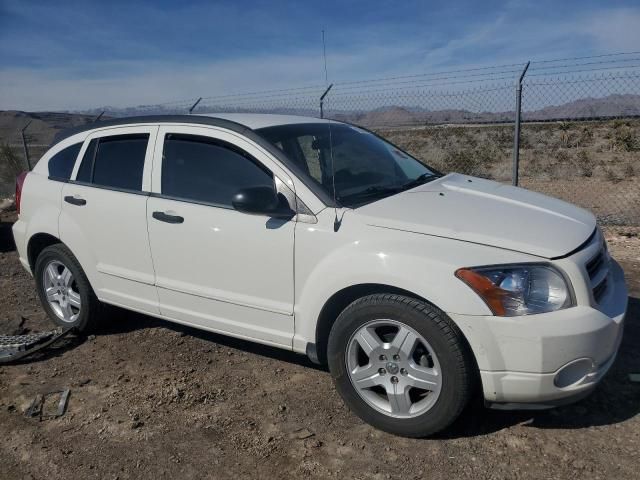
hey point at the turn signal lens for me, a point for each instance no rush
(484, 287)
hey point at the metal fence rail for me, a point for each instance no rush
(569, 127)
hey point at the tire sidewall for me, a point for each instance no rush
(60, 254)
(451, 399)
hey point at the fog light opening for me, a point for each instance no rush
(573, 373)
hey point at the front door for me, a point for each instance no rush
(215, 267)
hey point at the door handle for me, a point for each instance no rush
(75, 200)
(168, 218)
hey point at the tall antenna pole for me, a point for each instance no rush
(324, 56)
(337, 221)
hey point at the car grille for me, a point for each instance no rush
(598, 271)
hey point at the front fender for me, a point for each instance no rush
(328, 261)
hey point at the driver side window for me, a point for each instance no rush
(207, 170)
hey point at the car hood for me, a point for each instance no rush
(485, 212)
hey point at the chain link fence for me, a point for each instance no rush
(581, 142)
(580, 123)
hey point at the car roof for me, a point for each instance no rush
(255, 121)
(238, 122)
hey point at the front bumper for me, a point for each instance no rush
(540, 361)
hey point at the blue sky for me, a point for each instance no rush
(71, 55)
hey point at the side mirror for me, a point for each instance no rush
(262, 201)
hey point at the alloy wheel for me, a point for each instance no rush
(393, 368)
(61, 291)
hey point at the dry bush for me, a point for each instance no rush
(585, 163)
(10, 167)
(629, 171)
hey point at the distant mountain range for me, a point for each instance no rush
(46, 124)
(617, 105)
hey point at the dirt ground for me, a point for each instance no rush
(155, 400)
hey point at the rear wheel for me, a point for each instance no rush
(400, 364)
(64, 290)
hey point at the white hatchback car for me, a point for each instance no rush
(322, 238)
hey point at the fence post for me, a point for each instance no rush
(516, 135)
(322, 100)
(194, 105)
(24, 145)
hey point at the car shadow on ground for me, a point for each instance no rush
(127, 321)
(615, 400)
(6, 237)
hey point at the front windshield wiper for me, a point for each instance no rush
(373, 191)
(421, 180)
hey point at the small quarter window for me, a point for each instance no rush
(61, 164)
(207, 170)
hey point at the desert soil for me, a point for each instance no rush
(154, 400)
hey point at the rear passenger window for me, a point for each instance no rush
(61, 164)
(115, 162)
(207, 170)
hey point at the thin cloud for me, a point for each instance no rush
(165, 58)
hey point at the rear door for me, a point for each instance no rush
(215, 267)
(103, 219)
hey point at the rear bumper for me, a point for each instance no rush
(541, 361)
(19, 231)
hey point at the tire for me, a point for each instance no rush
(434, 378)
(84, 318)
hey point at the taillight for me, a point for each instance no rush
(19, 183)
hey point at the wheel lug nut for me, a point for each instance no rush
(382, 371)
(394, 379)
(396, 357)
(403, 371)
(383, 358)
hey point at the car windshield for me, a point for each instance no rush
(366, 167)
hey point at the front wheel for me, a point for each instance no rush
(400, 364)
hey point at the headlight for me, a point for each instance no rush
(513, 290)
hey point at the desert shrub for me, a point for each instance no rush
(10, 166)
(585, 164)
(586, 136)
(473, 161)
(629, 171)
(561, 156)
(611, 175)
(503, 136)
(619, 123)
(624, 140)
